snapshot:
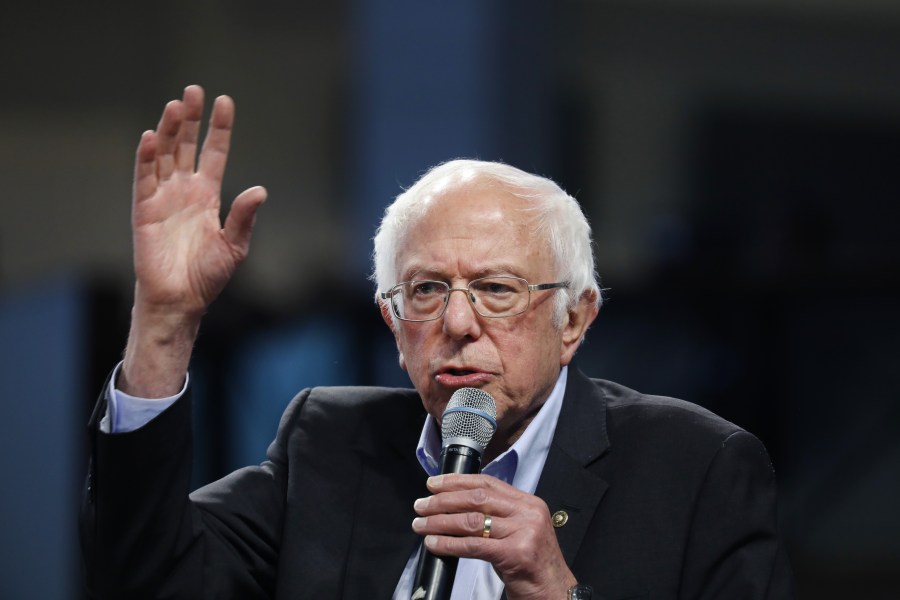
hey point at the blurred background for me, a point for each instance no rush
(738, 161)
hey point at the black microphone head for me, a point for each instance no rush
(470, 419)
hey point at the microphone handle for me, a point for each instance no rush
(434, 574)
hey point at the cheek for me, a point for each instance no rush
(412, 345)
(535, 354)
(517, 357)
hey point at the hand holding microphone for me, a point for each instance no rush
(478, 516)
(467, 426)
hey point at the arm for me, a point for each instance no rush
(733, 549)
(141, 535)
(142, 538)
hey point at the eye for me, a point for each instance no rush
(426, 288)
(495, 287)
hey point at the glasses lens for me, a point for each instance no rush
(499, 296)
(419, 300)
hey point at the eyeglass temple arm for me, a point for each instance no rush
(548, 286)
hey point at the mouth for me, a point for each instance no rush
(460, 372)
(457, 377)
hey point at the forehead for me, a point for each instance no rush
(472, 229)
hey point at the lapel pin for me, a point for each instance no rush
(559, 518)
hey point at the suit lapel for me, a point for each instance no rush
(580, 439)
(382, 539)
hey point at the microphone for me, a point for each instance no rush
(466, 428)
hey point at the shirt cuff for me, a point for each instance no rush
(126, 413)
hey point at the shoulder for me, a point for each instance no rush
(667, 443)
(650, 430)
(356, 398)
(354, 403)
(347, 412)
(346, 401)
(627, 408)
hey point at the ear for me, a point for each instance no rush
(391, 323)
(386, 314)
(578, 319)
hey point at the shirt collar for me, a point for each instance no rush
(528, 452)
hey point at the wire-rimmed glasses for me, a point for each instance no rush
(492, 297)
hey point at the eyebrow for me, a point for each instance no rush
(417, 272)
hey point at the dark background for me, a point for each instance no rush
(738, 161)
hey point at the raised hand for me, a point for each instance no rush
(522, 546)
(183, 256)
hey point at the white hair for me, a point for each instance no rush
(557, 216)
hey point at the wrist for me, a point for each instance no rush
(158, 352)
(167, 306)
(163, 325)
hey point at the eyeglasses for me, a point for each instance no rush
(492, 297)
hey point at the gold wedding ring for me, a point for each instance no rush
(486, 531)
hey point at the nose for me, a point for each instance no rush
(460, 318)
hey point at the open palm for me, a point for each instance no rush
(183, 256)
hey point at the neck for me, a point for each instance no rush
(503, 440)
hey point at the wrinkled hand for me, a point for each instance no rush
(183, 257)
(522, 546)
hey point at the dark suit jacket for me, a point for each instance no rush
(665, 500)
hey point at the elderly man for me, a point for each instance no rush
(589, 489)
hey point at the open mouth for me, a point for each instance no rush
(459, 372)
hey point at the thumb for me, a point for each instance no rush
(241, 217)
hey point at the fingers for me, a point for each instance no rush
(454, 517)
(239, 222)
(145, 179)
(521, 545)
(457, 481)
(174, 142)
(470, 524)
(464, 546)
(167, 138)
(214, 155)
(461, 493)
(460, 535)
(186, 145)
